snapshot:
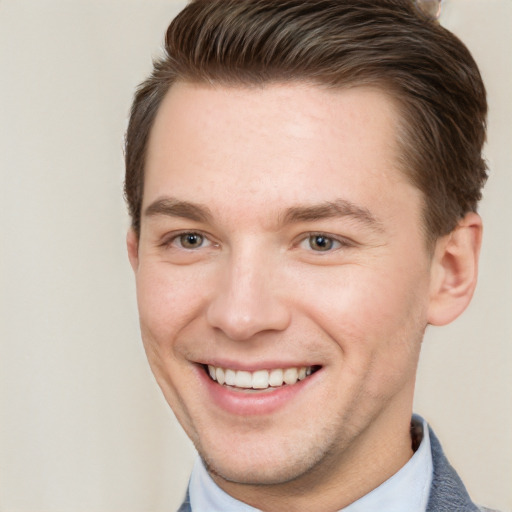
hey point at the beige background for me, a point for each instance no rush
(83, 426)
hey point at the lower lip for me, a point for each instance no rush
(252, 403)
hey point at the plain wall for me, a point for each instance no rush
(83, 426)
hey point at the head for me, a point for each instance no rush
(302, 178)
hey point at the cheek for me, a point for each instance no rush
(376, 317)
(168, 300)
(364, 298)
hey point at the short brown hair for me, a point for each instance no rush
(389, 44)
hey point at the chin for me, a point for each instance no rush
(264, 463)
(256, 473)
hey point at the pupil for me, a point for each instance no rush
(191, 240)
(321, 242)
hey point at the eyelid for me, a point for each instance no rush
(341, 241)
(170, 238)
(208, 241)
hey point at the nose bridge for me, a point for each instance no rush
(247, 301)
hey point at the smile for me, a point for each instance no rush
(260, 379)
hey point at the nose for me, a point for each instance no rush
(248, 299)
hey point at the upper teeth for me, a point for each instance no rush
(260, 379)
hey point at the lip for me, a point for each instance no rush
(234, 365)
(241, 403)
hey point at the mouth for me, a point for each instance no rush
(259, 380)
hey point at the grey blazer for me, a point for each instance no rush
(447, 493)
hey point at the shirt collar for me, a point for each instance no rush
(406, 490)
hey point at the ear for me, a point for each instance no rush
(132, 244)
(454, 270)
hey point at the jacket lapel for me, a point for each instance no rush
(185, 506)
(447, 493)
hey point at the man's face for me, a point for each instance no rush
(279, 240)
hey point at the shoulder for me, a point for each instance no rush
(448, 493)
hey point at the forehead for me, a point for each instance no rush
(278, 143)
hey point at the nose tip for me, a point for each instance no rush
(246, 306)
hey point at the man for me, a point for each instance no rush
(303, 179)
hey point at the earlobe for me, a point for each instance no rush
(132, 244)
(454, 270)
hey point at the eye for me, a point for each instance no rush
(189, 240)
(320, 242)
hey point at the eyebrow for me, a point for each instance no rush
(328, 210)
(172, 207)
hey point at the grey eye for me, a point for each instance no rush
(191, 240)
(320, 243)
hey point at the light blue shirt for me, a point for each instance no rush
(406, 491)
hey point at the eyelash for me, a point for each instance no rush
(338, 242)
(169, 241)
